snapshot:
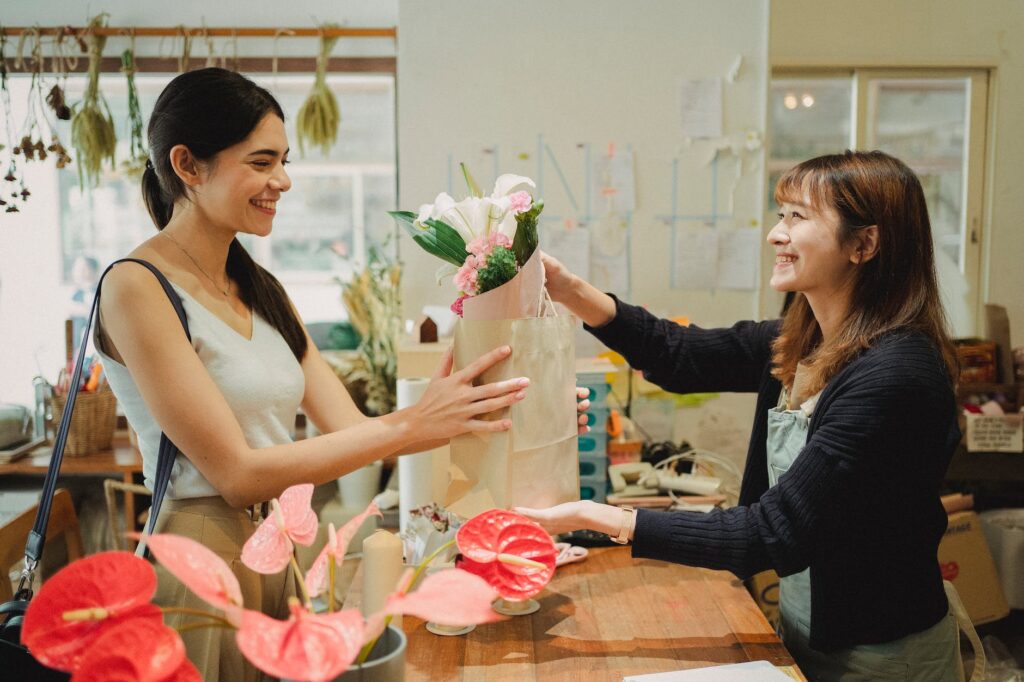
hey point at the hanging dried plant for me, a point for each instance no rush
(319, 116)
(55, 100)
(92, 127)
(137, 153)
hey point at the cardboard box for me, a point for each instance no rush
(966, 561)
(994, 434)
(764, 588)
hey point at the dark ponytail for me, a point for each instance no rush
(209, 110)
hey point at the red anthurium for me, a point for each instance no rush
(84, 600)
(292, 520)
(450, 597)
(337, 543)
(201, 570)
(143, 651)
(307, 646)
(512, 553)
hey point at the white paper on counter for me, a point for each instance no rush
(752, 671)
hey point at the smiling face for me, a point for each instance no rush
(239, 191)
(808, 255)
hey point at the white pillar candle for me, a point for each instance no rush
(415, 472)
(382, 567)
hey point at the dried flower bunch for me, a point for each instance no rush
(319, 116)
(92, 126)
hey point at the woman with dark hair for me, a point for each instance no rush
(228, 399)
(855, 425)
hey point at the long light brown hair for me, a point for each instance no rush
(895, 290)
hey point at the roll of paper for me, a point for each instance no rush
(415, 472)
(382, 567)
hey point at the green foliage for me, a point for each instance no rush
(526, 239)
(436, 237)
(500, 268)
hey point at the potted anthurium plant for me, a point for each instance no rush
(94, 618)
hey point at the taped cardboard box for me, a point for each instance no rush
(966, 561)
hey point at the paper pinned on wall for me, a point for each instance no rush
(695, 258)
(701, 107)
(707, 258)
(738, 252)
(570, 245)
(612, 185)
(609, 253)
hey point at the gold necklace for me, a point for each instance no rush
(226, 292)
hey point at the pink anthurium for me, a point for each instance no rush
(83, 601)
(307, 646)
(291, 520)
(337, 543)
(450, 597)
(144, 651)
(201, 570)
(512, 553)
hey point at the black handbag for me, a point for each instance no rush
(16, 662)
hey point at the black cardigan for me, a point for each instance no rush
(860, 505)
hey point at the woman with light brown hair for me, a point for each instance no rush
(854, 429)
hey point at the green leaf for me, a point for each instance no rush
(526, 239)
(435, 237)
(474, 188)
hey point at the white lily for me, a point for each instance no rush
(477, 216)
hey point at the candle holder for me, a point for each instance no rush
(507, 607)
(449, 630)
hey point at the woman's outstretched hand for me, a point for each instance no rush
(557, 279)
(452, 405)
(570, 516)
(594, 307)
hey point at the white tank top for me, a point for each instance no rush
(259, 377)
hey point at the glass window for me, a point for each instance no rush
(337, 205)
(923, 123)
(810, 117)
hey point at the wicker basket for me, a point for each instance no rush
(92, 422)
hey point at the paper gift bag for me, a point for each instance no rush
(536, 462)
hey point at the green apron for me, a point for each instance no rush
(932, 655)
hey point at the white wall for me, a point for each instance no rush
(490, 74)
(936, 33)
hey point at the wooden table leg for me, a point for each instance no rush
(129, 510)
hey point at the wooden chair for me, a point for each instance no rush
(117, 531)
(13, 534)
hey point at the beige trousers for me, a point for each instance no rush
(223, 529)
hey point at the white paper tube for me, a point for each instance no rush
(415, 472)
(382, 567)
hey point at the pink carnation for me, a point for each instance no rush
(520, 202)
(457, 305)
(478, 248)
(499, 239)
(465, 278)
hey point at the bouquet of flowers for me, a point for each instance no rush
(490, 245)
(94, 618)
(484, 241)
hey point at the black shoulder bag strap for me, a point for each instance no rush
(165, 461)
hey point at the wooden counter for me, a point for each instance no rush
(604, 618)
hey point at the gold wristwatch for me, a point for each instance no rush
(626, 526)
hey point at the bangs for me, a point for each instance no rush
(803, 183)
